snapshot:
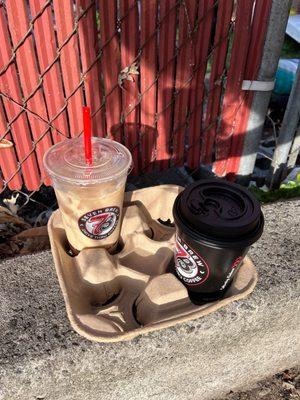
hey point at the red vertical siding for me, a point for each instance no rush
(164, 114)
(197, 90)
(130, 92)
(184, 69)
(166, 52)
(148, 89)
(231, 102)
(20, 133)
(8, 160)
(110, 64)
(258, 34)
(52, 83)
(220, 46)
(88, 41)
(69, 58)
(29, 76)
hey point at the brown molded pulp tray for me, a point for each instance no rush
(117, 297)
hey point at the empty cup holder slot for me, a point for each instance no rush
(118, 310)
(168, 223)
(146, 256)
(118, 248)
(96, 304)
(162, 298)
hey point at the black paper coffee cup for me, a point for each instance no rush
(216, 223)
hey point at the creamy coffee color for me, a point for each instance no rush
(90, 198)
(91, 215)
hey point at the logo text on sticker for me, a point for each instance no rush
(190, 266)
(99, 224)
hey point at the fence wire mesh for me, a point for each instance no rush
(163, 77)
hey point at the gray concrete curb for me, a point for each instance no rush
(42, 358)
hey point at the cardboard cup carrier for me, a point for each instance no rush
(117, 295)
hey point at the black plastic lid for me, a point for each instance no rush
(218, 209)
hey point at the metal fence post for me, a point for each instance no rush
(271, 53)
(279, 167)
(295, 149)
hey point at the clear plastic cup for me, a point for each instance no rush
(90, 198)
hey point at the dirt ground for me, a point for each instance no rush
(284, 385)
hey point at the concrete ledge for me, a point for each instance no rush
(42, 358)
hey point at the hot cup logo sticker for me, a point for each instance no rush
(190, 266)
(99, 224)
(236, 263)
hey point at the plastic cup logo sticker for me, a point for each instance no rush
(190, 267)
(99, 224)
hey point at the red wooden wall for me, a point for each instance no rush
(162, 76)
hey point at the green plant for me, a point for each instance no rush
(290, 48)
(286, 191)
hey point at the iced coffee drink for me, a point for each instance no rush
(90, 198)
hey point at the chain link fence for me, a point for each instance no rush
(164, 77)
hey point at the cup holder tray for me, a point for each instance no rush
(113, 297)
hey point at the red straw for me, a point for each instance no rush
(87, 135)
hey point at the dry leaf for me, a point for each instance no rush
(11, 203)
(8, 249)
(126, 74)
(286, 376)
(288, 386)
(31, 240)
(19, 236)
(10, 224)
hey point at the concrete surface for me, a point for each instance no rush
(42, 358)
(284, 385)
